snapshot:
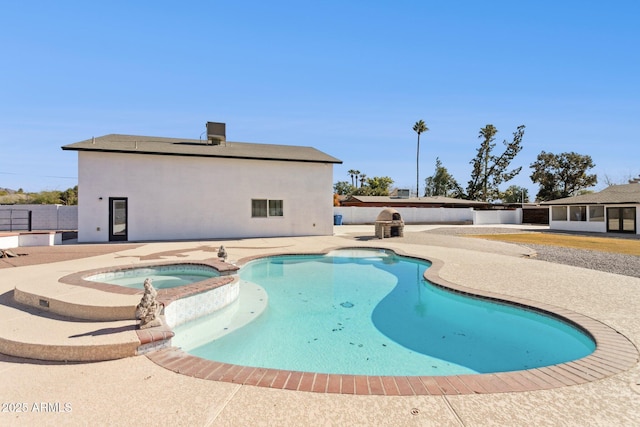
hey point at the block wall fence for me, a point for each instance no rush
(367, 215)
(49, 217)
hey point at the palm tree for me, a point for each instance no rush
(419, 127)
(352, 173)
(362, 177)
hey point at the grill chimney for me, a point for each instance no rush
(216, 133)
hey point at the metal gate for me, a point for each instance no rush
(15, 220)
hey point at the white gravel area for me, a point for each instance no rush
(627, 265)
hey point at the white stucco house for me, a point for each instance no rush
(140, 188)
(616, 209)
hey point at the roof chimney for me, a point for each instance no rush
(216, 133)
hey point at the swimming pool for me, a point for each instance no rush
(370, 312)
(163, 276)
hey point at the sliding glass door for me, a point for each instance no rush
(621, 220)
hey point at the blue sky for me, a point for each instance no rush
(347, 77)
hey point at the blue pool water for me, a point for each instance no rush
(163, 277)
(371, 313)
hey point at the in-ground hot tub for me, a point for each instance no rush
(163, 276)
(208, 285)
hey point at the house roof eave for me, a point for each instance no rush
(131, 144)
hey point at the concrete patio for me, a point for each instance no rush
(135, 390)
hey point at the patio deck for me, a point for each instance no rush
(94, 391)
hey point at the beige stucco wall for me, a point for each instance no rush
(174, 197)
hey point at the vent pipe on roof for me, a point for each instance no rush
(216, 133)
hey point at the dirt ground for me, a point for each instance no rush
(32, 255)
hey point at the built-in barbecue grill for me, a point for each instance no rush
(389, 223)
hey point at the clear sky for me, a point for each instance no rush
(347, 77)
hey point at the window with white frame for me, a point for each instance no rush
(558, 213)
(264, 208)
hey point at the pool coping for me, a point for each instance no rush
(614, 354)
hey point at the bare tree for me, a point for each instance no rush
(490, 170)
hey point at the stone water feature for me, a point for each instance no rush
(222, 254)
(148, 310)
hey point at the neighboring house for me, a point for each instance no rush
(138, 188)
(614, 209)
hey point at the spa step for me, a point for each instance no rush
(36, 334)
(82, 302)
(78, 302)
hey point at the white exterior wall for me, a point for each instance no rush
(17, 239)
(592, 227)
(180, 197)
(588, 226)
(498, 217)
(367, 215)
(9, 241)
(41, 239)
